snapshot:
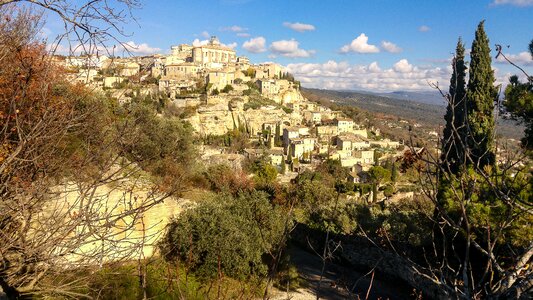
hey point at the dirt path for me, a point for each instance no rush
(339, 282)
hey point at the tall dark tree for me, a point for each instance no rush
(480, 97)
(453, 136)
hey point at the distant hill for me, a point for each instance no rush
(433, 97)
(424, 109)
(428, 97)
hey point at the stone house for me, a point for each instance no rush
(268, 87)
(313, 117)
(344, 124)
(219, 79)
(352, 142)
(293, 132)
(301, 147)
(129, 69)
(180, 70)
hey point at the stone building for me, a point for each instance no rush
(301, 147)
(181, 70)
(181, 52)
(268, 71)
(268, 87)
(213, 52)
(219, 79)
(352, 142)
(344, 124)
(128, 69)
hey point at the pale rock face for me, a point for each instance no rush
(108, 238)
(290, 96)
(219, 117)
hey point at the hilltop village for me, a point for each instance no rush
(224, 97)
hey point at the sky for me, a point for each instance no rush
(373, 45)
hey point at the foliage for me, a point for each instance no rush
(256, 102)
(287, 110)
(151, 80)
(265, 173)
(250, 72)
(406, 222)
(228, 88)
(162, 281)
(61, 141)
(480, 97)
(236, 140)
(162, 146)
(394, 172)
(454, 130)
(486, 209)
(482, 206)
(378, 174)
(334, 168)
(221, 178)
(225, 235)
(519, 102)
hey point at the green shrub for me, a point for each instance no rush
(225, 234)
(228, 88)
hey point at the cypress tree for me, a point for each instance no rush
(480, 97)
(277, 136)
(394, 173)
(454, 130)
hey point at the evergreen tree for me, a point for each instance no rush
(277, 135)
(394, 173)
(519, 102)
(480, 97)
(454, 130)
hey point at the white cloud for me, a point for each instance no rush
(255, 45)
(243, 34)
(360, 45)
(205, 34)
(198, 43)
(424, 28)
(140, 49)
(289, 48)
(232, 45)
(374, 67)
(522, 58)
(403, 66)
(234, 28)
(521, 3)
(342, 75)
(300, 27)
(390, 47)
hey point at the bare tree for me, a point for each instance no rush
(89, 26)
(73, 187)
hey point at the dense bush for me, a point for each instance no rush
(162, 146)
(227, 235)
(221, 178)
(228, 88)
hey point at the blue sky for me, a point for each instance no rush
(342, 44)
